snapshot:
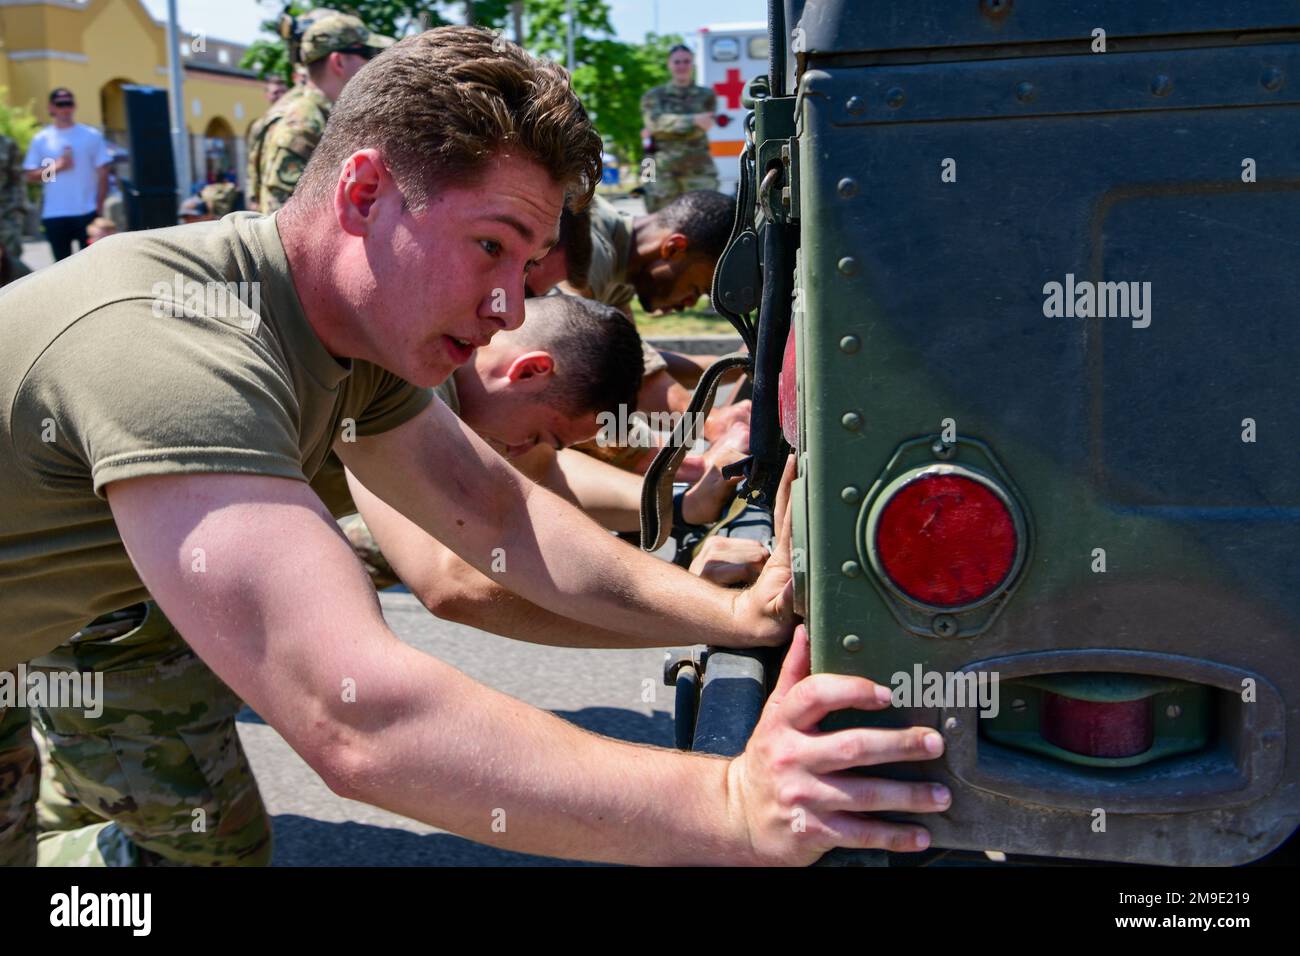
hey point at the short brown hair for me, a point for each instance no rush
(597, 352)
(439, 105)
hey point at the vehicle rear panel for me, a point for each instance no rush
(1149, 461)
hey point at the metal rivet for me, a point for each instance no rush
(852, 643)
(848, 265)
(942, 450)
(944, 625)
(849, 495)
(850, 569)
(1018, 705)
(950, 723)
(856, 105)
(894, 98)
(1025, 91)
(850, 344)
(847, 187)
(851, 420)
(1272, 78)
(1173, 711)
(1161, 85)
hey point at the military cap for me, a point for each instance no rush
(334, 32)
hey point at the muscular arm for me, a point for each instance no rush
(611, 496)
(454, 590)
(440, 476)
(285, 615)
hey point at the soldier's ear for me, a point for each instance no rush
(361, 177)
(673, 246)
(534, 366)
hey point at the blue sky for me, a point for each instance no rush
(238, 19)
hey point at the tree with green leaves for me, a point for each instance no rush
(19, 123)
(394, 18)
(610, 74)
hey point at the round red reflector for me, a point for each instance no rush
(946, 540)
(1097, 729)
(787, 390)
(723, 119)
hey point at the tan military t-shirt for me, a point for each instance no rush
(125, 361)
(611, 247)
(331, 484)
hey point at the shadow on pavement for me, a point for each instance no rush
(302, 841)
(616, 722)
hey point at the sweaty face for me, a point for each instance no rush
(446, 279)
(669, 286)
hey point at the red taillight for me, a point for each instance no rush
(723, 119)
(946, 540)
(1097, 728)
(787, 390)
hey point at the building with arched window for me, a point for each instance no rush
(95, 47)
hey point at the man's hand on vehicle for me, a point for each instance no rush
(793, 787)
(763, 614)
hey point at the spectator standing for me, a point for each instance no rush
(70, 160)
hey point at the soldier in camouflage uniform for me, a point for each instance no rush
(333, 47)
(159, 777)
(678, 116)
(19, 774)
(13, 211)
(219, 198)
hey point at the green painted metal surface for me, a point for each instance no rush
(1158, 542)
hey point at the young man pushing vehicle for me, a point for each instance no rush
(170, 456)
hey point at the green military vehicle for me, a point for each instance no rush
(1019, 281)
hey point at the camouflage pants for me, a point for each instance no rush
(158, 778)
(19, 773)
(677, 173)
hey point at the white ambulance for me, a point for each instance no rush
(727, 57)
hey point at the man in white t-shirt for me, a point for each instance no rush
(71, 162)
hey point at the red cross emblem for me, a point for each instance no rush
(731, 89)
